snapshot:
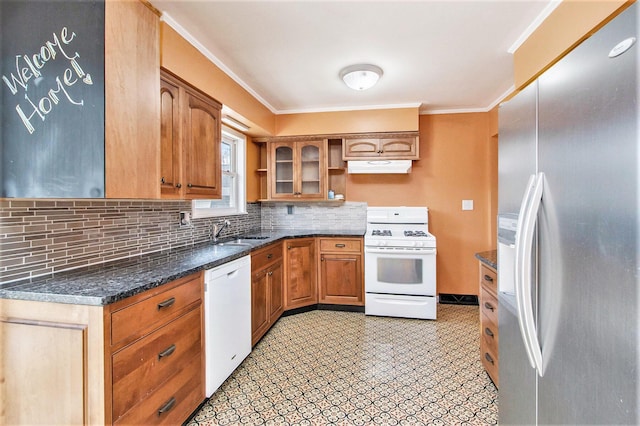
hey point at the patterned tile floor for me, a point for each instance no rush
(345, 368)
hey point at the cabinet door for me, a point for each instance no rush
(283, 170)
(276, 292)
(259, 305)
(400, 148)
(341, 279)
(170, 146)
(301, 289)
(132, 110)
(43, 380)
(354, 149)
(311, 170)
(202, 139)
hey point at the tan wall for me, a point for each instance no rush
(570, 23)
(458, 161)
(182, 58)
(364, 121)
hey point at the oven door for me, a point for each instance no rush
(400, 271)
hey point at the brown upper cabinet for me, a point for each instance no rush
(298, 170)
(190, 141)
(132, 131)
(400, 147)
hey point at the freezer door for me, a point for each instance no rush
(589, 233)
(516, 148)
(517, 392)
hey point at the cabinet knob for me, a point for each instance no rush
(270, 255)
(340, 245)
(189, 185)
(162, 180)
(288, 247)
(488, 278)
(322, 259)
(178, 185)
(270, 273)
(488, 332)
(489, 306)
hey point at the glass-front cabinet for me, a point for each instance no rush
(298, 170)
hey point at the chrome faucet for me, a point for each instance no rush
(218, 228)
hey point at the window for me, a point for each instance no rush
(233, 179)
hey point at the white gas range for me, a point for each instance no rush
(400, 263)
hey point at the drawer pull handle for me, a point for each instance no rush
(488, 358)
(341, 245)
(489, 306)
(171, 349)
(488, 278)
(488, 332)
(167, 406)
(269, 256)
(170, 301)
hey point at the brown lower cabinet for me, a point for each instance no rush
(136, 361)
(489, 321)
(340, 271)
(267, 299)
(157, 357)
(300, 273)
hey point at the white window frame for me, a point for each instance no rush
(240, 141)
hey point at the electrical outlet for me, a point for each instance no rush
(185, 219)
(467, 204)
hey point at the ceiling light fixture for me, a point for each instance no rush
(361, 76)
(234, 123)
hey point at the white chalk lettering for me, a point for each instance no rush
(63, 34)
(61, 87)
(26, 120)
(68, 75)
(32, 66)
(36, 62)
(45, 105)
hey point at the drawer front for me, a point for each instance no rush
(172, 403)
(146, 315)
(490, 362)
(340, 245)
(489, 279)
(265, 256)
(142, 367)
(488, 305)
(489, 333)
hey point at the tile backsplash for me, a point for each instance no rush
(38, 237)
(347, 215)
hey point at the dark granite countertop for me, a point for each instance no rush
(110, 282)
(489, 258)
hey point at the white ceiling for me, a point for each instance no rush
(446, 56)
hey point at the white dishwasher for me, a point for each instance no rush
(227, 315)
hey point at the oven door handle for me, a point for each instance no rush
(401, 251)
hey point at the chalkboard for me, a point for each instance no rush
(52, 98)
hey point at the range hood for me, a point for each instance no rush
(379, 166)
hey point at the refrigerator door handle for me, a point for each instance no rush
(519, 266)
(528, 229)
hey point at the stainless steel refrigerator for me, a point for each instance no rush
(569, 237)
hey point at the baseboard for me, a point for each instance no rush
(458, 299)
(323, 307)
